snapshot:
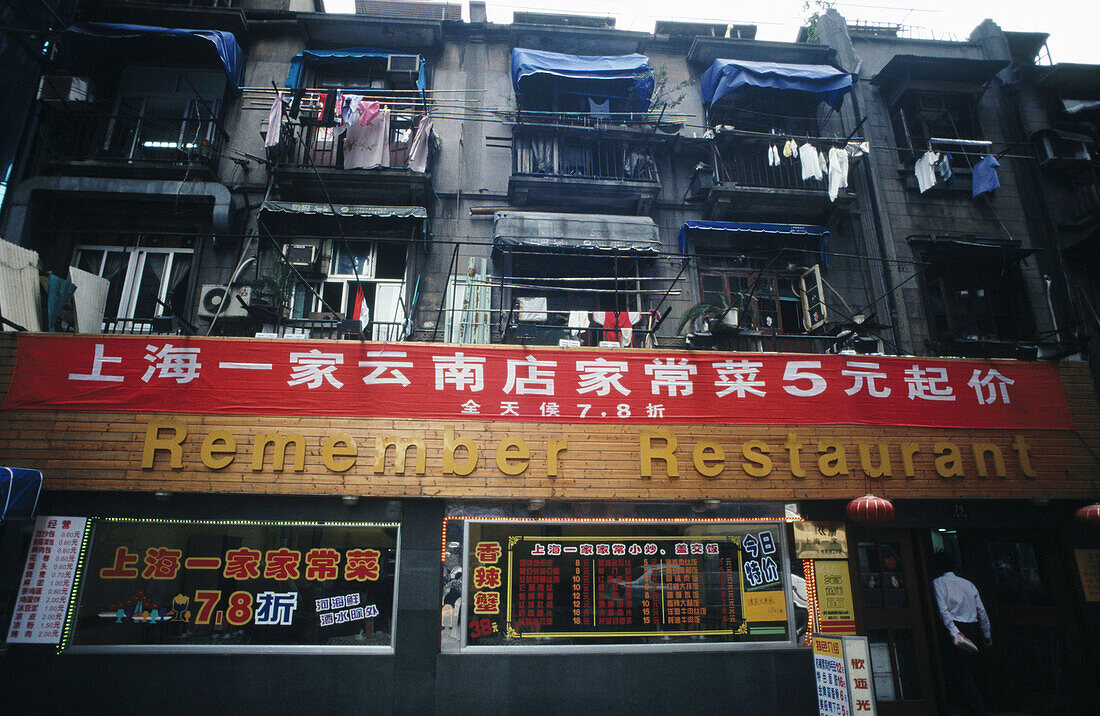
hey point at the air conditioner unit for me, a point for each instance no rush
(301, 255)
(64, 88)
(403, 64)
(1063, 149)
(214, 297)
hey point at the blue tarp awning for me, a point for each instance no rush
(331, 57)
(19, 488)
(97, 42)
(806, 230)
(826, 83)
(527, 64)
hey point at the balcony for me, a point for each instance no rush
(310, 166)
(616, 173)
(745, 185)
(149, 144)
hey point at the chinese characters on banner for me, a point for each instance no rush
(44, 590)
(842, 670)
(189, 375)
(629, 584)
(179, 583)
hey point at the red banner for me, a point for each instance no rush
(443, 381)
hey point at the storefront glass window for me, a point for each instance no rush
(164, 584)
(1017, 578)
(568, 583)
(882, 578)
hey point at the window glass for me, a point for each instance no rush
(882, 665)
(1017, 578)
(150, 583)
(870, 576)
(570, 583)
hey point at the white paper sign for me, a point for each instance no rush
(47, 582)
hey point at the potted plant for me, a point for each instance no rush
(724, 315)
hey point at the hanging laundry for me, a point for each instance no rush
(790, 149)
(838, 171)
(773, 156)
(858, 149)
(985, 176)
(360, 310)
(823, 162)
(532, 309)
(944, 173)
(811, 162)
(366, 147)
(322, 98)
(577, 320)
(599, 110)
(368, 110)
(274, 122)
(418, 148)
(626, 334)
(925, 171)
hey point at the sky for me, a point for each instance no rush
(1074, 25)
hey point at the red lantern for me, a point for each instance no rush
(871, 509)
(1089, 515)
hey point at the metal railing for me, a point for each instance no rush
(744, 162)
(73, 135)
(304, 145)
(583, 158)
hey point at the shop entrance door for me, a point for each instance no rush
(1026, 594)
(890, 612)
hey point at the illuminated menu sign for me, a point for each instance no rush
(212, 584)
(570, 583)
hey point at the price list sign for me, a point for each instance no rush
(576, 583)
(47, 581)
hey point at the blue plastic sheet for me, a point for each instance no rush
(19, 488)
(734, 227)
(92, 42)
(823, 81)
(531, 63)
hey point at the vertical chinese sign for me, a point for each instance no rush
(180, 583)
(834, 597)
(43, 601)
(577, 583)
(843, 675)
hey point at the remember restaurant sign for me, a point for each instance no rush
(425, 419)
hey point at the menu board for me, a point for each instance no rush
(44, 591)
(628, 583)
(213, 584)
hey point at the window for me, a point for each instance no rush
(569, 285)
(378, 266)
(165, 114)
(144, 282)
(975, 294)
(765, 301)
(919, 116)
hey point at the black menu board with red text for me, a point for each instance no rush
(625, 583)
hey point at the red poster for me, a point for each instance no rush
(177, 374)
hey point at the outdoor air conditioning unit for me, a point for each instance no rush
(64, 88)
(301, 256)
(214, 297)
(403, 64)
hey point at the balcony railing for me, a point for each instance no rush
(584, 158)
(74, 135)
(306, 145)
(744, 162)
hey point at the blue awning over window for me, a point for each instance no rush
(331, 57)
(94, 43)
(634, 68)
(824, 82)
(19, 488)
(732, 227)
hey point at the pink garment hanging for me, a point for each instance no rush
(368, 110)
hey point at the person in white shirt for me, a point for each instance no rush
(967, 625)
